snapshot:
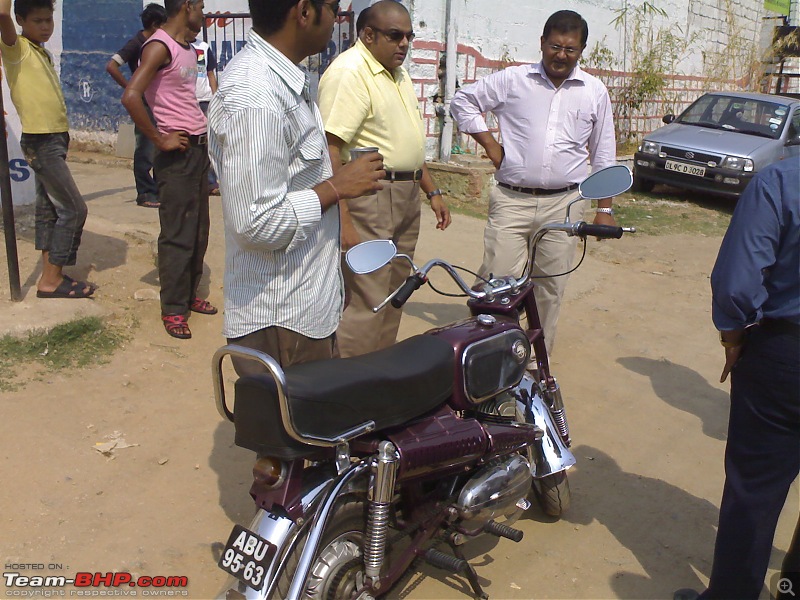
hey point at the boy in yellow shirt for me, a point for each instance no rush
(36, 93)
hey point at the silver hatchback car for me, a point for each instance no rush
(719, 142)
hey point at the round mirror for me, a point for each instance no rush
(607, 182)
(370, 256)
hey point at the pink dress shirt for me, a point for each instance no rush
(548, 133)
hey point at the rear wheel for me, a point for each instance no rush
(640, 184)
(553, 494)
(338, 560)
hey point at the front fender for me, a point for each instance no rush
(549, 454)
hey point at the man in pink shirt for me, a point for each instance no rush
(555, 120)
(167, 77)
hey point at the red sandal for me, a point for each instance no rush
(204, 307)
(177, 326)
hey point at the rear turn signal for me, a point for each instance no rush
(268, 471)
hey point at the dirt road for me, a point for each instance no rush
(637, 359)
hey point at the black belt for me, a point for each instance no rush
(198, 140)
(403, 175)
(537, 191)
(780, 325)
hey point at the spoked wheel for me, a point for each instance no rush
(338, 563)
(552, 493)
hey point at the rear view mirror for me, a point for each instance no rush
(370, 256)
(667, 119)
(606, 183)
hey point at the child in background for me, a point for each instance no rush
(36, 93)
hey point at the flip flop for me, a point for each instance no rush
(204, 307)
(149, 204)
(68, 288)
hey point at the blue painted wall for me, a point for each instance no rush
(93, 30)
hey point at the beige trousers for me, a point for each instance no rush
(284, 345)
(393, 213)
(513, 220)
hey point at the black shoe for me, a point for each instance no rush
(685, 594)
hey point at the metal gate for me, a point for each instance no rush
(226, 33)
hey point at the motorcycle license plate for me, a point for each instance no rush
(680, 167)
(247, 557)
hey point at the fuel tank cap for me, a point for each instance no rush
(486, 320)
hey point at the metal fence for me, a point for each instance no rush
(226, 34)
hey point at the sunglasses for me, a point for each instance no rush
(395, 35)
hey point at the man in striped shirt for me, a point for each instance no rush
(283, 281)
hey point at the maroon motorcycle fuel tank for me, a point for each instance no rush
(491, 356)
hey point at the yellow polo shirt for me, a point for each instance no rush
(34, 86)
(364, 105)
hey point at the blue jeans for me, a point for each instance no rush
(60, 209)
(146, 188)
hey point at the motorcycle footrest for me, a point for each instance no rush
(500, 530)
(445, 561)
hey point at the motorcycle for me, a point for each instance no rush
(369, 463)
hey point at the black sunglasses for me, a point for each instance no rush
(395, 35)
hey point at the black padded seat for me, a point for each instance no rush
(330, 397)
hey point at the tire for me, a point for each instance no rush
(553, 494)
(640, 184)
(336, 561)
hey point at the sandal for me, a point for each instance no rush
(177, 326)
(204, 307)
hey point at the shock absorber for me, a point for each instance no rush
(556, 403)
(381, 491)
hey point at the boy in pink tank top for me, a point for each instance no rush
(167, 77)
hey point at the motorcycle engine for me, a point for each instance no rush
(496, 490)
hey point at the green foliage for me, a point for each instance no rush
(76, 344)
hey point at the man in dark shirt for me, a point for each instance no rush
(153, 17)
(756, 307)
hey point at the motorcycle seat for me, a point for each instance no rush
(330, 397)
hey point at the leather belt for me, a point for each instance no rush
(780, 325)
(537, 191)
(198, 140)
(403, 175)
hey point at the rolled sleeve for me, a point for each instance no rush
(261, 211)
(470, 102)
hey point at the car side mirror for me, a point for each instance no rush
(794, 140)
(667, 119)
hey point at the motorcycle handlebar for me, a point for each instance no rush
(413, 283)
(600, 231)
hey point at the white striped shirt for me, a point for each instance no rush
(267, 144)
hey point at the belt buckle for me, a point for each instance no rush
(202, 139)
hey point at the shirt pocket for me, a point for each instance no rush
(579, 127)
(303, 136)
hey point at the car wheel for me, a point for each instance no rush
(640, 184)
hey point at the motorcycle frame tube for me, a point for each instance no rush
(277, 374)
(550, 454)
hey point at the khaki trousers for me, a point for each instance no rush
(513, 220)
(393, 213)
(284, 345)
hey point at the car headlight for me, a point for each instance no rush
(738, 163)
(649, 147)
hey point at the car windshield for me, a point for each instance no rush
(731, 113)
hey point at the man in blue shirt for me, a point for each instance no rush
(756, 307)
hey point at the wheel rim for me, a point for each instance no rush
(327, 576)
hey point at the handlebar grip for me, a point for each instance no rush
(413, 283)
(601, 231)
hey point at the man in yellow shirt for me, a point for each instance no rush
(36, 93)
(367, 100)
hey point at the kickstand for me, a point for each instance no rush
(470, 572)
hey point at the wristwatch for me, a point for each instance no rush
(608, 211)
(432, 193)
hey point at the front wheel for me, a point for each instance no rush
(640, 184)
(337, 562)
(552, 493)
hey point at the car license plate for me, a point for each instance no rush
(247, 557)
(680, 167)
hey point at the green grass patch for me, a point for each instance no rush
(77, 344)
(672, 212)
